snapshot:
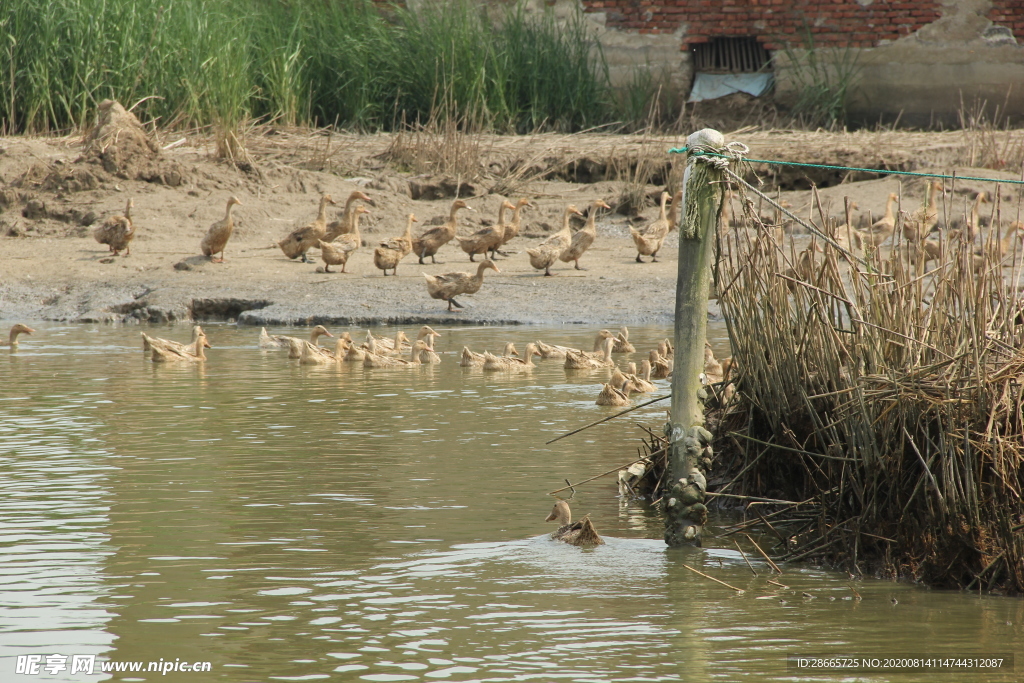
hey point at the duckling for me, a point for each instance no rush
(429, 242)
(611, 396)
(474, 360)
(390, 252)
(494, 363)
(581, 533)
(16, 329)
(373, 361)
(622, 344)
(337, 253)
(117, 231)
(584, 237)
(579, 361)
(219, 233)
(450, 285)
(345, 225)
(884, 227)
(543, 256)
(648, 241)
(300, 240)
(166, 354)
(486, 239)
(513, 227)
(197, 335)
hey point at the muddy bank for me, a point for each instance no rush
(54, 192)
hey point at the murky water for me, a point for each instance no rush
(294, 523)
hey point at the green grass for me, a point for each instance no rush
(298, 62)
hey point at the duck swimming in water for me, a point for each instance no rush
(581, 533)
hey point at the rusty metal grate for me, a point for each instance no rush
(730, 55)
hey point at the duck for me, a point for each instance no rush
(675, 207)
(661, 367)
(310, 354)
(429, 355)
(581, 533)
(554, 350)
(345, 225)
(486, 239)
(713, 370)
(16, 329)
(544, 255)
(337, 253)
(612, 396)
(272, 341)
(117, 231)
(923, 220)
(217, 236)
(197, 335)
(429, 242)
(450, 285)
(371, 360)
(648, 242)
(471, 359)
(642, 383)
(389, 253)
(582, 361)
(301, 240)
(494, 363)
(972, 220)
(584, 237)
(278, 341)
(514, 226)
(884, 227)
(166, 354)
(622, 344)
(997, 250)
(399, 343)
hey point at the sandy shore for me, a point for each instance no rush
(52, 268)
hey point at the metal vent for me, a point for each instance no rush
(730, 56)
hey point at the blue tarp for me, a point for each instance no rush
(713, 86)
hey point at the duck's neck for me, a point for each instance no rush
(227, 214)
(128, 210)
(662, 215)
(889, 215)
(414, 353)
(314, 337)
(480, 271)
(12, 340)
(199, 353)
(453, 221)
(607, 349)
(509, 349)
(354, 225)
(516, 212)
(398, 341)
(501, 214)
(321, 215)
(673, 211)
(407, 235)
(565, 222)
(591, 224)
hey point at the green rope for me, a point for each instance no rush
(684, 150)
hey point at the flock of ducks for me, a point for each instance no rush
(400, 352)
(339, 240)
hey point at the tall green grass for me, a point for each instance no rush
(306, 62)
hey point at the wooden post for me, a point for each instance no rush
(685, 513)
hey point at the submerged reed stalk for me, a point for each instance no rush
(891, 391)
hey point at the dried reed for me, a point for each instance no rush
(891, 392)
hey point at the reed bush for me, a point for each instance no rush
(889, 393)
(220, 62)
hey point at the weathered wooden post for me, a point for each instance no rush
(685, 512)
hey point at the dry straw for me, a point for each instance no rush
(888, 390)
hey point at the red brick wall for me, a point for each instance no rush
(1009, 13)
(776, 23)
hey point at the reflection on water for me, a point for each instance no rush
(304, 523)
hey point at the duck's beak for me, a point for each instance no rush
(206, 344)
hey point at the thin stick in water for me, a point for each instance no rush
(738, 590)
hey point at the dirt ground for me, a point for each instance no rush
(55, 191)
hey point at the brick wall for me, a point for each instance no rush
(1009, 13)
(832, 23)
